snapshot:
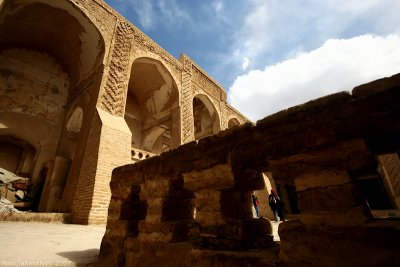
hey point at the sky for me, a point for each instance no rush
(270, 55)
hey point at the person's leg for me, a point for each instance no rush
(257, 214)
(282, 216)
(275, 214)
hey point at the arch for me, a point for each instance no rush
(58, 28)
(48, 49)
(233, 122)
(168, 66)
(205, 117)
(152, 106)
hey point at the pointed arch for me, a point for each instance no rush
(233, 122)
(48, 49)
(152, 106)
(205, 117)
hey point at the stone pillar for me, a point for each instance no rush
(108, 147)
(59, 175)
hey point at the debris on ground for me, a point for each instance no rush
(7, 206)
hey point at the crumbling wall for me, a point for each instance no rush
(33, 83)
(192, 207)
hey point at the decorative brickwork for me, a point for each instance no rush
(113, 98)
(224, 117)
(187, 102)
(206, 83)
(103, 16)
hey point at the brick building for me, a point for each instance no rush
(84, 91)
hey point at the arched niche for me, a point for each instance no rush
(48, 49)
(152, 107)
(233, 122)
(57, 28)
(205, 117)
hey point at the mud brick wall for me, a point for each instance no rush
(189, 206)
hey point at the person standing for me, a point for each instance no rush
(274, 203)
(255, 203)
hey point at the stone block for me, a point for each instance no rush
(114, 209)
(331, 198)
(372, 244)
(375, 87)
(216, 178)
(171, 231)
(154, 208)
(208, 201)
(122, 228)
(157, 188)
(322, 178)
(210, 218)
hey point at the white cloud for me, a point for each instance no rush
(172, 13)
(145, 11)
(246, 63)
(274, 30)
(152, 13)
(218, 6)
(251, 38)
(337, 65)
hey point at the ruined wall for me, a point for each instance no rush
(34, 91)
(192, 206)
(33, 83)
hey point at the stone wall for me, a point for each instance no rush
(191, 206)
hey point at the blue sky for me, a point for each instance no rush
(273, 54)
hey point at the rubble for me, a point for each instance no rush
(15, 190)
(7, 206)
